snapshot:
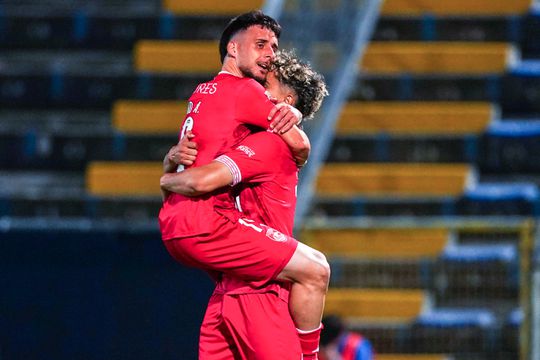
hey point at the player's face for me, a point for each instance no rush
(255, 49)
(278, 91)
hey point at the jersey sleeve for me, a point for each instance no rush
(255, 159)
(253, 105)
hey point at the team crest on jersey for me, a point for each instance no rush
(246, 150)
(276, 235)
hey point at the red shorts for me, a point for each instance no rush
(251, 252)
(255, 326)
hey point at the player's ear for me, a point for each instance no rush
(232, 48)
(290, 99)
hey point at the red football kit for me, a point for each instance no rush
(208, 232)
(243, 322)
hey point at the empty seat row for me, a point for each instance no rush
(452, 281)
(413, 118)
(458, 333)
(57, 90)
(411, 207)
(500, 150)
(36, 30)
(380, 57)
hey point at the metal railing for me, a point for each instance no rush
(333, 40)
(534, 317)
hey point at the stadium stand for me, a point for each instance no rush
(442, 122)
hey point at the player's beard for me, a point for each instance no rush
(261, 79)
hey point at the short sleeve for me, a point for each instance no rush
(253, 105)
(255, 159)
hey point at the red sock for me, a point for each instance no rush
(309, 342)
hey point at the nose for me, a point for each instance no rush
(270, 53)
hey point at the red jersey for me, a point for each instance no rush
(265, 166)
(269, 175)
(218, 112)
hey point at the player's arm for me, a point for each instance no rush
(197, 181)
(299, 144)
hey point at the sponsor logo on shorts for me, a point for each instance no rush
(276, 235)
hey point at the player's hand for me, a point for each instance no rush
(169, 163)
(185, 152)
(283, 117)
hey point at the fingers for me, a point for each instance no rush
(284, 118)
(186, 143)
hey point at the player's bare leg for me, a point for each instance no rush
(309, 272)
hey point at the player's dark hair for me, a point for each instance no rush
(333, 327)
(308, 84)
(244, 21)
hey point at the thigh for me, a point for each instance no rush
(213, 339)
(251, 252)
(261, 326)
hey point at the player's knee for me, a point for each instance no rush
(320, 271)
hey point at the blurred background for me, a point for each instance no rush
(422, 186)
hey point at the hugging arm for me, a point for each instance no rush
(198, 180)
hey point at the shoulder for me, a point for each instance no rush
(265, 139)
(249, 86)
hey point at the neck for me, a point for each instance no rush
(229, 65)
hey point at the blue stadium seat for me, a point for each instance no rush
(511, 146)
(465, 274)
(521, 90)
(452, 318)
(82, 91)
(511, 331)
(480, 253)
(530, 44)
(428, 88)
(500, 199)
(451, 330)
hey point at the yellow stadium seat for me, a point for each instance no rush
(455, 7)
(123, 178)
(211, 7)
(412, 357)
(437, 57)
(407, 179)
(378, 243)
(177, 56)
(415, 117)
(375, 304)
(148, 117)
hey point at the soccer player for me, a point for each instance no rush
(256, 320)
(208, 232)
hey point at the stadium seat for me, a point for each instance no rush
(467, 274)
(123, 178)
(348, 179)
(437, 57)
(375, 304)
(530, 45)
(381, 273)
(378, 243)
(511, 146)
(177, 56)
(148, 117)
(447, 329)
(456, 7)
(512, 198)
(415, 118)
(430, 27)
(211, 7)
